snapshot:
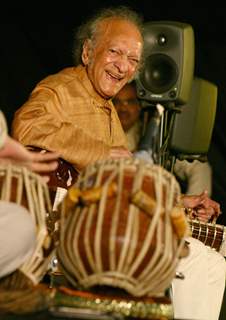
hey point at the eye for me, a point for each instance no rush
(113, 51)
(134, 61)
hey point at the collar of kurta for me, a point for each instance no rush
(82, 74)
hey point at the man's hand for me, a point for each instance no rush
(203, 208)
(119, 152)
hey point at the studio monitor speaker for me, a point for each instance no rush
(192, 128)
(168, 66)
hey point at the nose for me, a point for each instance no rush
(122, 63)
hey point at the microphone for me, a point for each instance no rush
(147, 144)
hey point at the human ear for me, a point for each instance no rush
(85, 52)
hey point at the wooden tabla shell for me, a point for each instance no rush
(112, 242)
(21, 186)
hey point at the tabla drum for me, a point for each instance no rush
(24, 187)
(121, 229)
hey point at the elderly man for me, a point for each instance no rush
(72, 110)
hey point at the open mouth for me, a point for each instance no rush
(114, 77)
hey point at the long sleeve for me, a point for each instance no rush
(198, 175)
(61, 115)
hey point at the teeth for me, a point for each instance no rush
(114, 76)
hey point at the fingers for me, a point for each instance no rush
(43, 161)
(118, 152)
(203, 219)
(203, 208)
(191, 201)
(40, 167)
(205, 214)
(44, 157)
(209, 203)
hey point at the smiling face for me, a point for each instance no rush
(113, 59)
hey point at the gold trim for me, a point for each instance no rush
(128, 308)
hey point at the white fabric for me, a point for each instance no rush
(17, 237)
(204, 270)
(198, 174)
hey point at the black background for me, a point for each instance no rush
(36, 40)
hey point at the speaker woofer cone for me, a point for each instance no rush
(159, 73)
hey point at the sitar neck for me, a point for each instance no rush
(212, 235)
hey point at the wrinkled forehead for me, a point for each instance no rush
(118, 29)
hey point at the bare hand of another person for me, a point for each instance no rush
(16, 153)
(203, 208)
(119, 152)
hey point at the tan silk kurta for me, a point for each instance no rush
(66, 115)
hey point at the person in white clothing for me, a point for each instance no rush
(199, 295)
(17, 229)
(196, 174)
